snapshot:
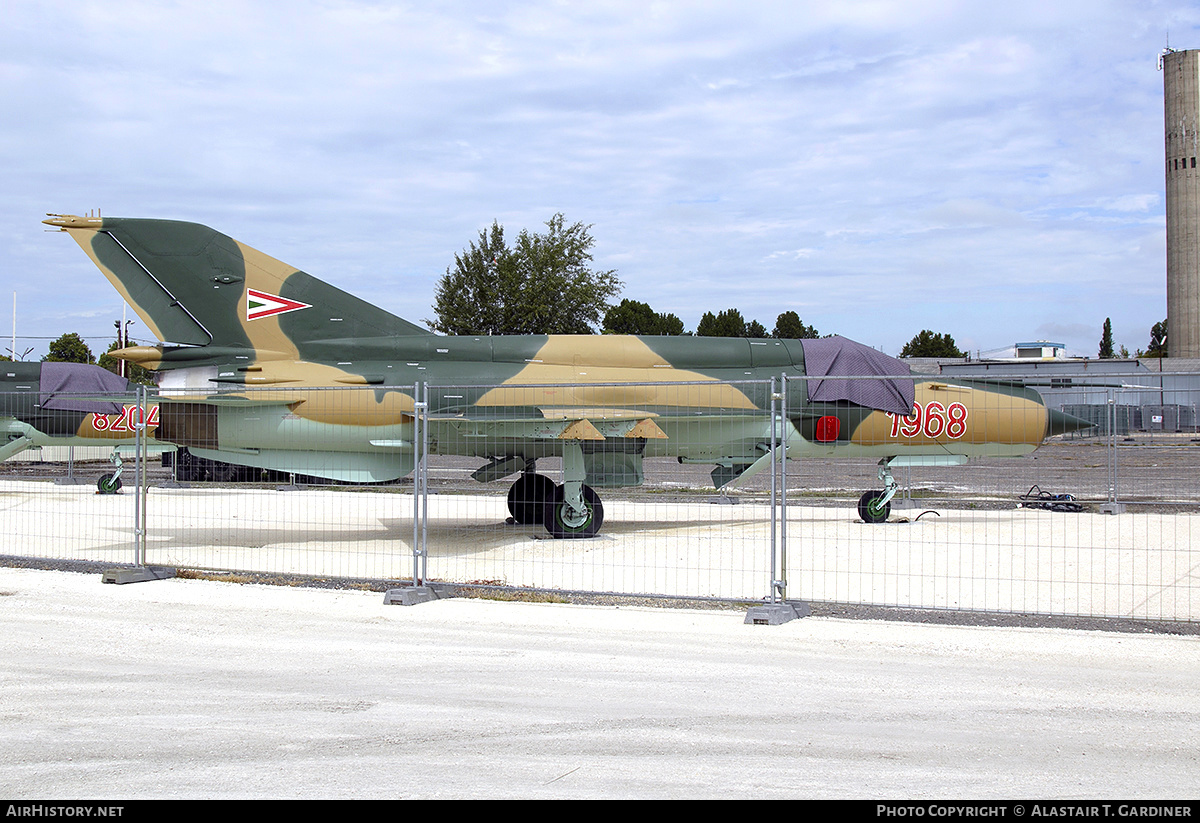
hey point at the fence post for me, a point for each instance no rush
(141, 485)
(777, 609)
(419, 510)
(781, 439)
(1112, 506)
(139, 546)
(775, 583)
(418, 592)
(424, 474)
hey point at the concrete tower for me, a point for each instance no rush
(1181, 96)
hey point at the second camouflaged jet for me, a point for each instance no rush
(255, 349)
(71, 404)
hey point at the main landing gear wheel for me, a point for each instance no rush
(562, 522)
(870, 510)
(108, 484)
(528, 497)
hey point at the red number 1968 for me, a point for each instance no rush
(932, 420)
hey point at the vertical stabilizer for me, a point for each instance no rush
(193, 285)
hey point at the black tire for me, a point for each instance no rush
(223, 472)
(870, 511)
(561, 526)
(186, 469)
(108, 484)
(528, 497)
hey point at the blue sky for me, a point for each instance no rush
(880, 168)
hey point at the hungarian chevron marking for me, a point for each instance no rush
(260, 304)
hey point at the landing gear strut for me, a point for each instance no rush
(564, 521)
(575, 510)
(875, 506)
(570, 510)
(110, 483)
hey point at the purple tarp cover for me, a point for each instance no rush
(63, 386)
(840, 357)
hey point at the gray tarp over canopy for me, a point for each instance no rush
(65, 385)
(837, 356)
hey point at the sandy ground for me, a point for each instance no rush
(192, 688)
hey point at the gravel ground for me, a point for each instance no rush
(1156, 475)
(204, 689)
(839, 610)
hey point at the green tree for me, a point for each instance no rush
(928, 344)
(728, 323)
(544, 284)
(69, 348)
(670, 325)
(634, 317)
(1106, 341)
(788, 326)
(1158, 340)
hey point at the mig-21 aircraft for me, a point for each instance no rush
(253, 349)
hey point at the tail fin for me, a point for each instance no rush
(195, 286)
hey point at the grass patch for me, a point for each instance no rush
(485, 591)
(221, 577)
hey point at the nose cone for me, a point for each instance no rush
(1061, 423)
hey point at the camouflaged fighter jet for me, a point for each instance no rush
(253, 345)
(70, 404)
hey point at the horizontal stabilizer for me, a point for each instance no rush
(238, 400)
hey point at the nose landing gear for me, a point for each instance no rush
(875, 506)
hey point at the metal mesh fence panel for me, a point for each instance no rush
(1095, 521)
(313, 482)
(58, 461)
(1030, 533)
(646, 455)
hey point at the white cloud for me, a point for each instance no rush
(882, 166)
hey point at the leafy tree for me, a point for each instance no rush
(633, 317)
(69, 348)
(671, 325)
(788, 326)
(728, 323)
(1158, 340)
(544, 284)
(928, 344)
(1106, 341)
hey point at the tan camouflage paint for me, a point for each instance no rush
(572, 359)
(267, 274)
(88, 429)
(81, 229)
(992, 418)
